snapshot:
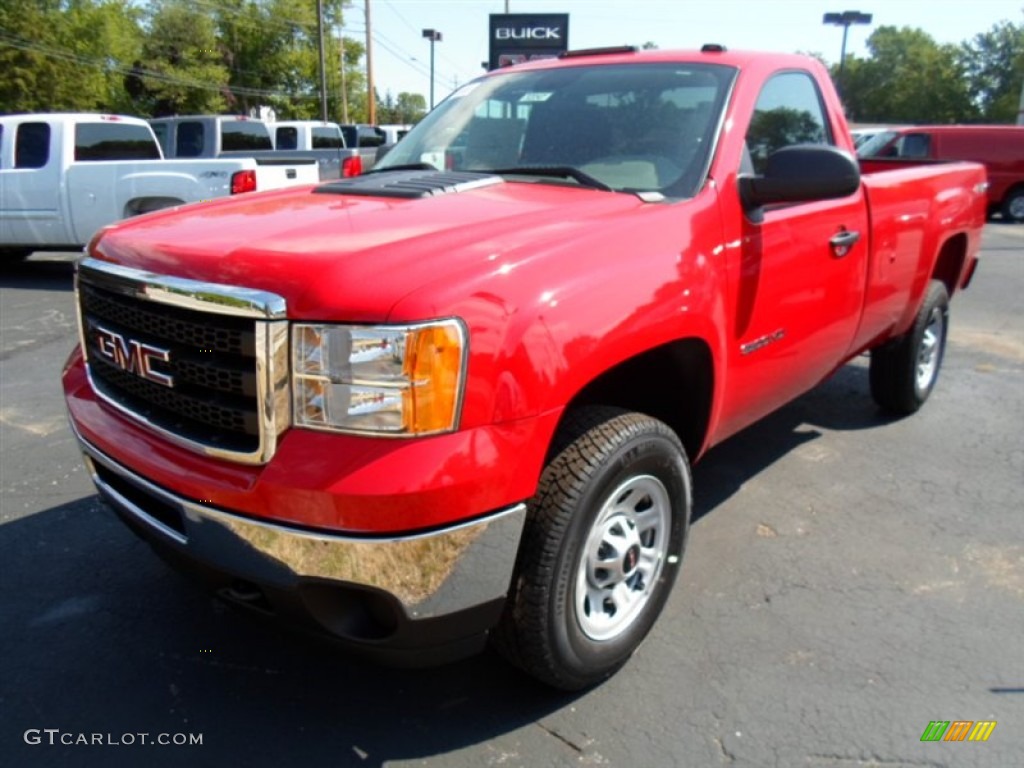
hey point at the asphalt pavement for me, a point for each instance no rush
(849, 580)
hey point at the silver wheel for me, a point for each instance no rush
(1015, 207)
(602, 544)
(623, 557)
(904, 370)
(930, 350)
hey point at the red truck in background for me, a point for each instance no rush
(1000, 148)
(457, 398)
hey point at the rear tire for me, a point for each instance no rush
(1013, 205)
(603, 542)
(903, 371)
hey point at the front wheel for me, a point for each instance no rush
(903, 371)
(603, 542)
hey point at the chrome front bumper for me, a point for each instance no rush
(397, 581)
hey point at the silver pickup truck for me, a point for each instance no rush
(239, 136)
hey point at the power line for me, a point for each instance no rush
(109, 66)
(461, 72)
(440, 54)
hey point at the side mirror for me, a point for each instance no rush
(798, 174)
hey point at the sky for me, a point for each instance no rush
(401, 56)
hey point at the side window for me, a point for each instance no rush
(915, 145)
(788, 111)
(244, 136)
(114, 141)
(326, 138)
(287, 137)
(1, 146)
(190, 139)
(32, 145)
(371, 137)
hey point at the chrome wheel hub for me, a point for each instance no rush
(623, 557)
(930, 349)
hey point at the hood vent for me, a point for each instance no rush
(409, 184)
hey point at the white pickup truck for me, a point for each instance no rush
(64, 176)
(325, 140)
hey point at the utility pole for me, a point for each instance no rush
(344, 86)
(323, 68)
(371, 96)
(1020, 109)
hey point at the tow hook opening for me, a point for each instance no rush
(356, 614)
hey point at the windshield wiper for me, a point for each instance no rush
(558, 171)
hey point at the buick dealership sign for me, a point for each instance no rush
(519, 37)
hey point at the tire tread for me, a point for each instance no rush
(892, 371)
(586, 438)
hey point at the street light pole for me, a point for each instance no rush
(844, 20)
(434, 37)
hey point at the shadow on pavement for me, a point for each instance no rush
(101, 637)
(37, 275)
(843, 403)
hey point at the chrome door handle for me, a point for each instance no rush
(842, 242)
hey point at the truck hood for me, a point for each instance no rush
(353, 257)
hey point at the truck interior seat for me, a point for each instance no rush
(493, 143)
(565, 134)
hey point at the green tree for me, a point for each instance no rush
(411, 107)
(66, 54)
(405, 109)
(908, 78)
(272, 52)
(182, 61)
(994, 67)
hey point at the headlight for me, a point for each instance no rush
(398, 380)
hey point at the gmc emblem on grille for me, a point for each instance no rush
(133, 356)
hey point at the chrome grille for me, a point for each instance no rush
(225, 385)
(189, 329)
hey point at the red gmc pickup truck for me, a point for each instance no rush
(457, 398)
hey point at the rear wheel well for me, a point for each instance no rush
(142, 205)
(950, 264)
(673, 383)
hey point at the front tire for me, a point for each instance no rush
(603, 543)
(903, 371)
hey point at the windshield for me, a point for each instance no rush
(628, 127)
